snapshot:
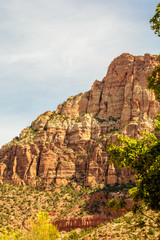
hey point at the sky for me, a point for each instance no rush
(53, 49)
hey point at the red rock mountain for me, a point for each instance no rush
(71, 141)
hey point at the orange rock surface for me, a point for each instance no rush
(71, 141)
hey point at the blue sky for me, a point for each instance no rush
(52, 49)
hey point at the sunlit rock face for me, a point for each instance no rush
(71, 141)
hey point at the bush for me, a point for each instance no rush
(42, 229)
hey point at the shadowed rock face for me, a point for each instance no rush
(71, 141)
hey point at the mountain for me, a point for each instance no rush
(71, 141)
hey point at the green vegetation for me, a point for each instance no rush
(154, 81)
(125, 227)
(143, 156)
(155, 21)
(154, 78)
(110, 118)
(115, 204)
(28, 136)
(19, 204)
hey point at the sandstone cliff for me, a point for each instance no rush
(71, 141)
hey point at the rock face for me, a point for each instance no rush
(71, 141)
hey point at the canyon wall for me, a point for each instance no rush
(71, 141)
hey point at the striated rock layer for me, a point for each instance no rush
(71, 141)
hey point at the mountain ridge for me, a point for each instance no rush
(71, 141)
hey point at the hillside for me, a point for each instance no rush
(19, 205)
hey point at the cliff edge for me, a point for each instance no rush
(71, 141)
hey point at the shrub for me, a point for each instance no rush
(42, 229)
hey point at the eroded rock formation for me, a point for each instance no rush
(71, 141)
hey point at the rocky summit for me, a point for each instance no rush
(70, 143)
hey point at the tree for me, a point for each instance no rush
(155, 21)
(154, 81)
(143, 156)
(154, 78)
(42, 229)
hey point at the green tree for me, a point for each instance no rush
(154, 78)
(155, 21)
(143, 156)
(154, 81)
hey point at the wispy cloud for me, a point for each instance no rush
(52, 49)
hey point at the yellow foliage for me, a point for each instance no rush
(40, 229)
